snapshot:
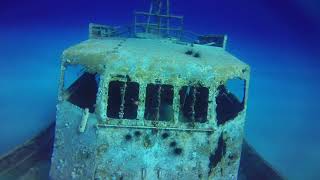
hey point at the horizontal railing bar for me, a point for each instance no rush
(161, 28)
(159, 15)
(151, 127)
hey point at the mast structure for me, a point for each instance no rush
(158, 19)
(157, 8)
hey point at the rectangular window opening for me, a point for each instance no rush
(82, 91)
(193, 104)
(230, 100)
(159, 101)
(123, 100)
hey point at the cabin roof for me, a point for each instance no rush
(154, 57)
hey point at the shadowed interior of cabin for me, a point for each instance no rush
(83, 91)
(230, 101)
(123, 100)
(159, 101)
(194, 104)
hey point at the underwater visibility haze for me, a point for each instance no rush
(278, 39)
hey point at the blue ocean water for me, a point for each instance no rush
(279, 39)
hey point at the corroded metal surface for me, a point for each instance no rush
(36, 166)
(117, 147)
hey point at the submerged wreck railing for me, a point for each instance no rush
(97, 31)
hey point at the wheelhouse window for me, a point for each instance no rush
(159, 101)
(230, 100)
(81, 87)
(194, 104)
(123, 100)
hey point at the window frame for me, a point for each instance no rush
(142, 122)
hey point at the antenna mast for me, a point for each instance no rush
(157, 9)
(158, 19)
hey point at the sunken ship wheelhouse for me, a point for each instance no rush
(149, 103)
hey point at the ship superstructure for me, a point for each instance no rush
(149, 104)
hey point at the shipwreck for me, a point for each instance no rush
(147, 101)
(148, 104)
